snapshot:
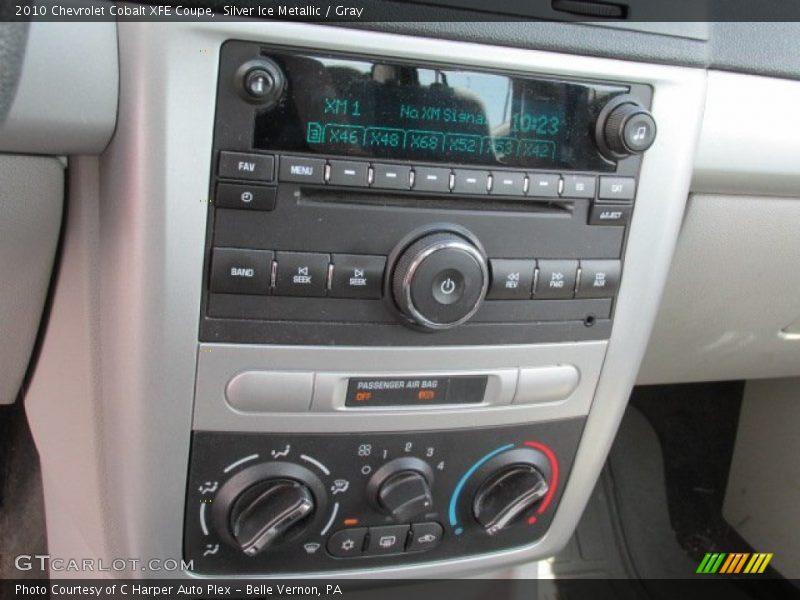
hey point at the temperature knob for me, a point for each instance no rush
(266, 504)
(513, 484)
(402, 488)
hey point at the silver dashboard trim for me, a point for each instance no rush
(138, 313)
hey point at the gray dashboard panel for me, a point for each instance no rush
(31, 201)
(138, 348)
(740, 255)
(13, 37)
(66, 98)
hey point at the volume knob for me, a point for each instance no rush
(625, 127)
(440, 281)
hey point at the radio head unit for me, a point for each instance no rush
(487, 207)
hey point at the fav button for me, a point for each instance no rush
(556, 279)
(390, 539)
(301, 274)
(357, 276)
(347, 542)
(237, 271)
(238, 165)
(424, 536)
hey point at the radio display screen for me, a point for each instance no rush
(396, 111)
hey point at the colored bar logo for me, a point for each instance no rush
(734, 563)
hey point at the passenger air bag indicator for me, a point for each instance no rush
(415, 391)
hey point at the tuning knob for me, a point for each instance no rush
(515, 482)
(625, 127)
(265, 505)
(440, 281)
(402, 488)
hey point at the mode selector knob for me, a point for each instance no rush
(440, 280)
(402, 488)
(625, 127)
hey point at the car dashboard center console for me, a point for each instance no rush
(398, 292)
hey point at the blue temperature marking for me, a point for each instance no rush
(463, 481)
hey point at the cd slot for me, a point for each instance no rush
(310, 196)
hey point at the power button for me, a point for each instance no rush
(440, 280)
(448, 286)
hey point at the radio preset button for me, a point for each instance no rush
(556, 279)
(543, 185)
(300, 169)
(610, 214)
(238, 271)
(357, 276)
(512, 279)
(617, 188)
(430, 179)
(599, 279)
(470, 181)
(238, 165)
(508, 184)
(579, 186)
(250, 197)
(348, 172)
(393, 177)
(301, 274)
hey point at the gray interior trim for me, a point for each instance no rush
(31, 201)
(745, 147)
(740, 255)
(218, 363)
(13, 39)
(66, 100)
(139, 347)
(762, 495)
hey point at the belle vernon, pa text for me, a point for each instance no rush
(211, 589)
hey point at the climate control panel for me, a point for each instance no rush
(277, 503)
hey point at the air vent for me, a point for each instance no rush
(586, 8)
